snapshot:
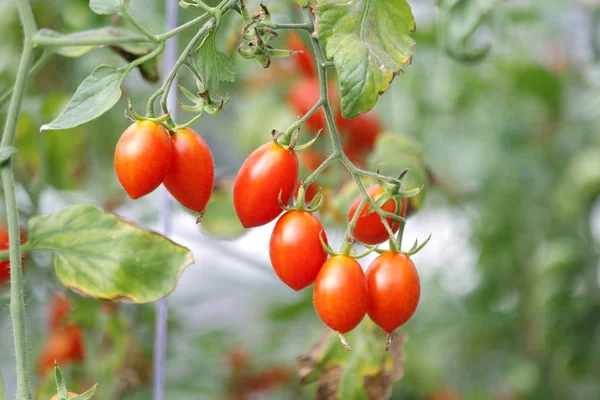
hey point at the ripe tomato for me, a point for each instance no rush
(362, 131)
(296, 252)
(394, 290)
(192, 174)
(369, 228)
(340, 293)
(60, 308)
(303, 61)
(268, 171)
(64, 345)
(69, 395)
(142, 158)
(4, 245)
(302, 97)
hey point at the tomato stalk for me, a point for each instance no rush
(17, 303)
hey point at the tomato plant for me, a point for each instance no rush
(341, 294)
(142, 158)
(394, 290)
(295, 248)
(270, 173)
(191, 177)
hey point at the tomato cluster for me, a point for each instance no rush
(148, 155)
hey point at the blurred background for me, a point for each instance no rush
(497, 115)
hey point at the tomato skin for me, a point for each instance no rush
(302, 97)
(303, 61)
(69, 395)
(340, 293)
(64, 345)
(4, 245)
(394, 290)
(268, 171)
(362, 131)
(192, 174)
(369, 228)
(295, 249)
(142, 158)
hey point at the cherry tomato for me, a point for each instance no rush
(369, 228)
(192, 174)
(69, 395)
(302, 97)
(303, 61)
(4, 245)
(362, 132)
(296, 252)
(60, 308)
(64, 345)
(142, 158)
(340, 293)
(394, 290)
(267, 172)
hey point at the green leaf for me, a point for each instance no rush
(210, 65)
(107, 7)
(97, 94)
(87, 395)
(6, 153)
(107, 32)
(102, 256)
(368, 41)
(61, 386)
(366, 372)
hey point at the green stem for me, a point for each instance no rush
(39, 64)
(298, 27)
(159, 49)
(43, 41)
(17, 302)
(125, 14)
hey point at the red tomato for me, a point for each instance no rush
(302, 97)
(369, 228)
(69, 395)
(267, 172)
(60, 308)
(296, 252)
(394, 290)
(192, 174)
(142, 158)
(340, 293)
(303, 61)
(64, 345)
(4, 245)
(362, 131)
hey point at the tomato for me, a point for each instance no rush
(295, 250)
(64, 345)
(142, 158)
(192, 174)
(369, 228)
(69, 395)
(60, 308)
(267, 172)
(4, 245)
(302, 97)
(340, 293)
(303, 61)
(394, 290)
(362, 131)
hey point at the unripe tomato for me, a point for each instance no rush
(369, 228)
(303, 61)
(340, 293)
(362, 132)
(192, 174)
(302, 97)
(295, 250)
(394, 290)
(69, 395)
(142, 158)
(64, 345)
(4, 245)
(267, 172)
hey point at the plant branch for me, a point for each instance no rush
(44, 41)
(39, 64)
(17, 303)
